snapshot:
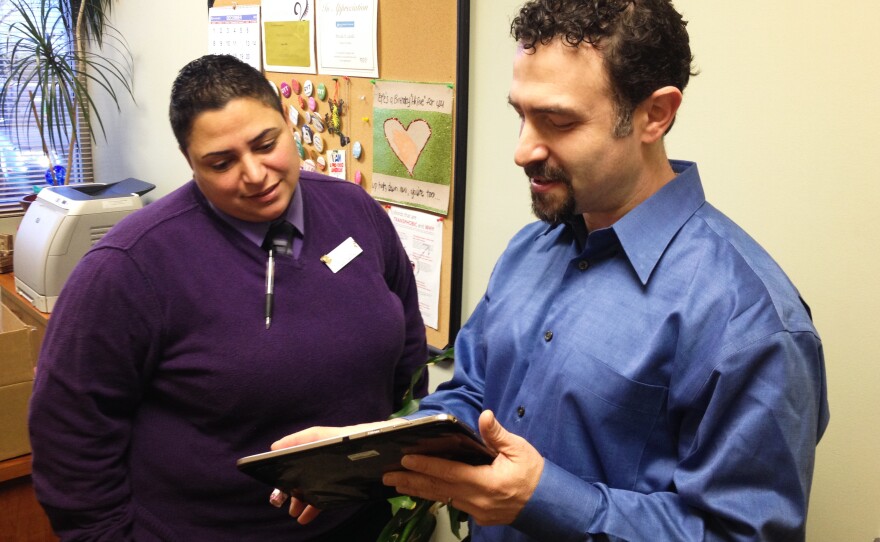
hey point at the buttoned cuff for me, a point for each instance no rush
(561, 508)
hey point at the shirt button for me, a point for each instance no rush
(548, 336)
(583, 265)
(521, 411)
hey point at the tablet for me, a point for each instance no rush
(342, 470)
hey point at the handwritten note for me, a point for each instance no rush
(412, 142)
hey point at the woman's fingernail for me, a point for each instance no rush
(277, 498)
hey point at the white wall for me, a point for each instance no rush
(782, 121)
(162, 35)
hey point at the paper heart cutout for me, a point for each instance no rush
(407, 143)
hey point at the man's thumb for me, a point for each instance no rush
(494, 435)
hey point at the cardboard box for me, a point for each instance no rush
(16, 383)
(6, 241)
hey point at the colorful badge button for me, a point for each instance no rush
(322, 163)
(297, 88)
(285, 90)
(322, 92)
(317, 123)
(307, 135)
(300, 149)
(357, 150)
(318, 143)
(313, 104)
(308, 87)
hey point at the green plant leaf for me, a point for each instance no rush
(44, 57)
(456, 518)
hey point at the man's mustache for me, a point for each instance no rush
(544, 171)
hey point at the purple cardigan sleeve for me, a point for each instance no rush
(400, 279)
(91, 373)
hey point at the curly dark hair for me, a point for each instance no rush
(209, 83)
(644, 43)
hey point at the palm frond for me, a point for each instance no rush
(44, 57)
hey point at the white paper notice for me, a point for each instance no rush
(236, 32)
(348, 37)
(422, 238)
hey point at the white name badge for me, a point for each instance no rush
(342, 255)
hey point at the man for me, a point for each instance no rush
(644, 369)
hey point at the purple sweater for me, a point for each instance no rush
(157, 372)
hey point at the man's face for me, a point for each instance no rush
(566, 146)
(244, 159)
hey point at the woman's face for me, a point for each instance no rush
(244, 159)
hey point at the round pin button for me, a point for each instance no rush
(307, 135)
(316, 122)
(357, 150)
(358, 178)
(308, 87)
(300, 149)
(318, 143)
(297, 88)
(293, 115)
(302, 102)
(313, 104)
(322, 92)
(322, 163)
(285, 90)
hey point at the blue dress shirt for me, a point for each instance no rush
(665, 367)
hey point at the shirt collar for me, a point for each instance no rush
(256, 231)
(646, 231)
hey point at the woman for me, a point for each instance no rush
(162, 363)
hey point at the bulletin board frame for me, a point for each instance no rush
(416, 44)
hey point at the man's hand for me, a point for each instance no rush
(304, 512)
(491, 494)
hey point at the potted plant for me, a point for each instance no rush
(57, 53)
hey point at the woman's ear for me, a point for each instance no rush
(659, 109)
(186, 156)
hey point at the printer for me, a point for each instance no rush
(60, 226)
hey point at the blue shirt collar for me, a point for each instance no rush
(256, 231)
(646, 231)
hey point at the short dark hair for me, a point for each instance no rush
(209, 83)
(644, 43)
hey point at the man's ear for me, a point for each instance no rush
(659, 109)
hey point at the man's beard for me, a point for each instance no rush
(549, 207)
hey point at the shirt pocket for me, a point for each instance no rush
(607, 421)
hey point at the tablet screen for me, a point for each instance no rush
(335, 472)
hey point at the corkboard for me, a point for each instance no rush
(422, 43)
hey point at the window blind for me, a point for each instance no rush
(23, 164)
